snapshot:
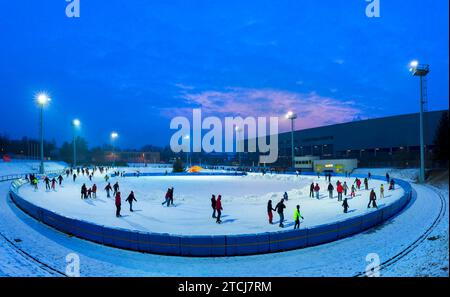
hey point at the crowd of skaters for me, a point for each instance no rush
(344, 192)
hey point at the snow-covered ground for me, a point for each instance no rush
(346, 257)
(244, 200)
(28, 166)
(410, 174)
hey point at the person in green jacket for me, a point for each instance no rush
(297, 217)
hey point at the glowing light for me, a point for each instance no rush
(76, 123)
(42, 98)
(114, 135)
(414, 64)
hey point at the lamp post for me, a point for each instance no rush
(239, 131)
(421, 70)
(76, 123)
(42, 100)
(292, 116)
(114, 136)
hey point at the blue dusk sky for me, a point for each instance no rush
(131, 66)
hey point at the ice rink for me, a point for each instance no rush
(244, 200)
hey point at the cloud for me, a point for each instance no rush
(312, 109)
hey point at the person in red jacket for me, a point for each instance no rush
(94, 191)
(118, 204)
(340, 189)
(219, 208)
(316, 190)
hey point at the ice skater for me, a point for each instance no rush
(74, 177)
(108, 189)
(83, 191)
(94, 191)
(54, 184)
(167, 197)
(269, 211)
(285, 196)
(330, 190)
(317, 190)
(311, 190)
(118, 203)
(219, 209)
(345, 205)
(280, 210)
(170, 197)
(47, 183)
(60, 179)
(213, 206)
(372, 199)
(130, 200)
(381, 191)
(297, 217)
(352, 194)
(340, 189)
(345, 186)
(392, 184)
(116, 188)
(366, 184)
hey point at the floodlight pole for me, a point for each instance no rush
(41, 124)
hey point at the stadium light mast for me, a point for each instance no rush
(292, 116)
(239, 131)
(42, 99)
(421, 70)
(114, 136)
(76, 124)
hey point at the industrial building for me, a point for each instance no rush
(389, 141)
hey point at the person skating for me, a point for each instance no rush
(358, 184)
(35, 183)
(285, 196)
(213, 205)
(369, 175)
(372, 199)
(340, 189)
(345, 205)
(392, 184)
(280, 210)
(297, 217)
(108, 189)
(166, 197)
(74, 177)
(60, 179)
(170, 197)
(381, 191)
(366, 184)
(47, 183)
(219, 209)
(118, 203)
(345, 186)
(316, 190)
(130, 200)
(311, 190)
(54, 184)
(269, 211)
(330, 190)
(388, 177)
(116, 188)
(106, 178)
(83, 191)
(352, 194)
(94, 191)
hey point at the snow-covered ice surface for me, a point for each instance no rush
(27, 166)
(345, 257)
(244, 199)
(410, 174)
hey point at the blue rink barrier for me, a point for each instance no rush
(215, 245)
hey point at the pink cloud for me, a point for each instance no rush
(312, 109)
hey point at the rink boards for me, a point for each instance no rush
(214, 245)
